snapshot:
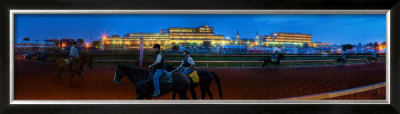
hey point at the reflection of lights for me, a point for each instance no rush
(87, 45)
(63, 45)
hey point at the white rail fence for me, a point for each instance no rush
(339, 93)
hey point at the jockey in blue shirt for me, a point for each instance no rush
(159, 66)
(274, 56)
(374, 55)
(73, 55)
(187, 63)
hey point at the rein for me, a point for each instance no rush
(140, 82)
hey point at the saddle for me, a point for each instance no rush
(194, 77)
(166, 81)
(67, 61)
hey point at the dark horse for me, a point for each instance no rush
(205, 79)
(373, 58)
(28, 56)
(269, 60)
(341, 59)
(77, 68)
(144, 89)
(43, 56)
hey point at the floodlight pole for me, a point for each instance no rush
(141, 51)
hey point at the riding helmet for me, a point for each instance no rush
(157, 46)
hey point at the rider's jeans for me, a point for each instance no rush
(156, 79)
(186, 72)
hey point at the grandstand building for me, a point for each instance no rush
(167, 38)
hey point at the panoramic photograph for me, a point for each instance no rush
(200, 57)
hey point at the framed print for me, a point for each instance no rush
(244, 59)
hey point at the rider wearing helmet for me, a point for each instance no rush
(187, 63)
(73, 55)
(159, 66)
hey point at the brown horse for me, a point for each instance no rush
(77, 68)
(205, 77)
(144, 88)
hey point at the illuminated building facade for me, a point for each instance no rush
(167, 38)
(288, 37)
(34, 46)
(132, 40)
(66, 43)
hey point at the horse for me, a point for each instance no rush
(341, 59)
(144, 88)
(269, 60)
(77, 68)
(42, 57)
(373, 58)
(205, 79)
(28, 56)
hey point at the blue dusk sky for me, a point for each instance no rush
(334, 29)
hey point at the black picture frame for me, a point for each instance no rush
(392, 5)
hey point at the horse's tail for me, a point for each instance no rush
(218, 84)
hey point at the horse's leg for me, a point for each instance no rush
(72, 77)
(192, 91)
(149, 97)
(173, 95)
(203, 92)
(139, 97)
(80, 75)
(182, 95)
(58, 75)
(209, 92)
(206, 89)
(265, 63)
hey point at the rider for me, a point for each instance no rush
(73, 55)
(274, 56)
(374, 55)
(187, 63)
(42, 53)
(159, 66)
(344, 56)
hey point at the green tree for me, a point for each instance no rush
(347, 46)
(26, 39)
(96, 44)
(80, 41)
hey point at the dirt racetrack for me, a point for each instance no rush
(34, 81)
